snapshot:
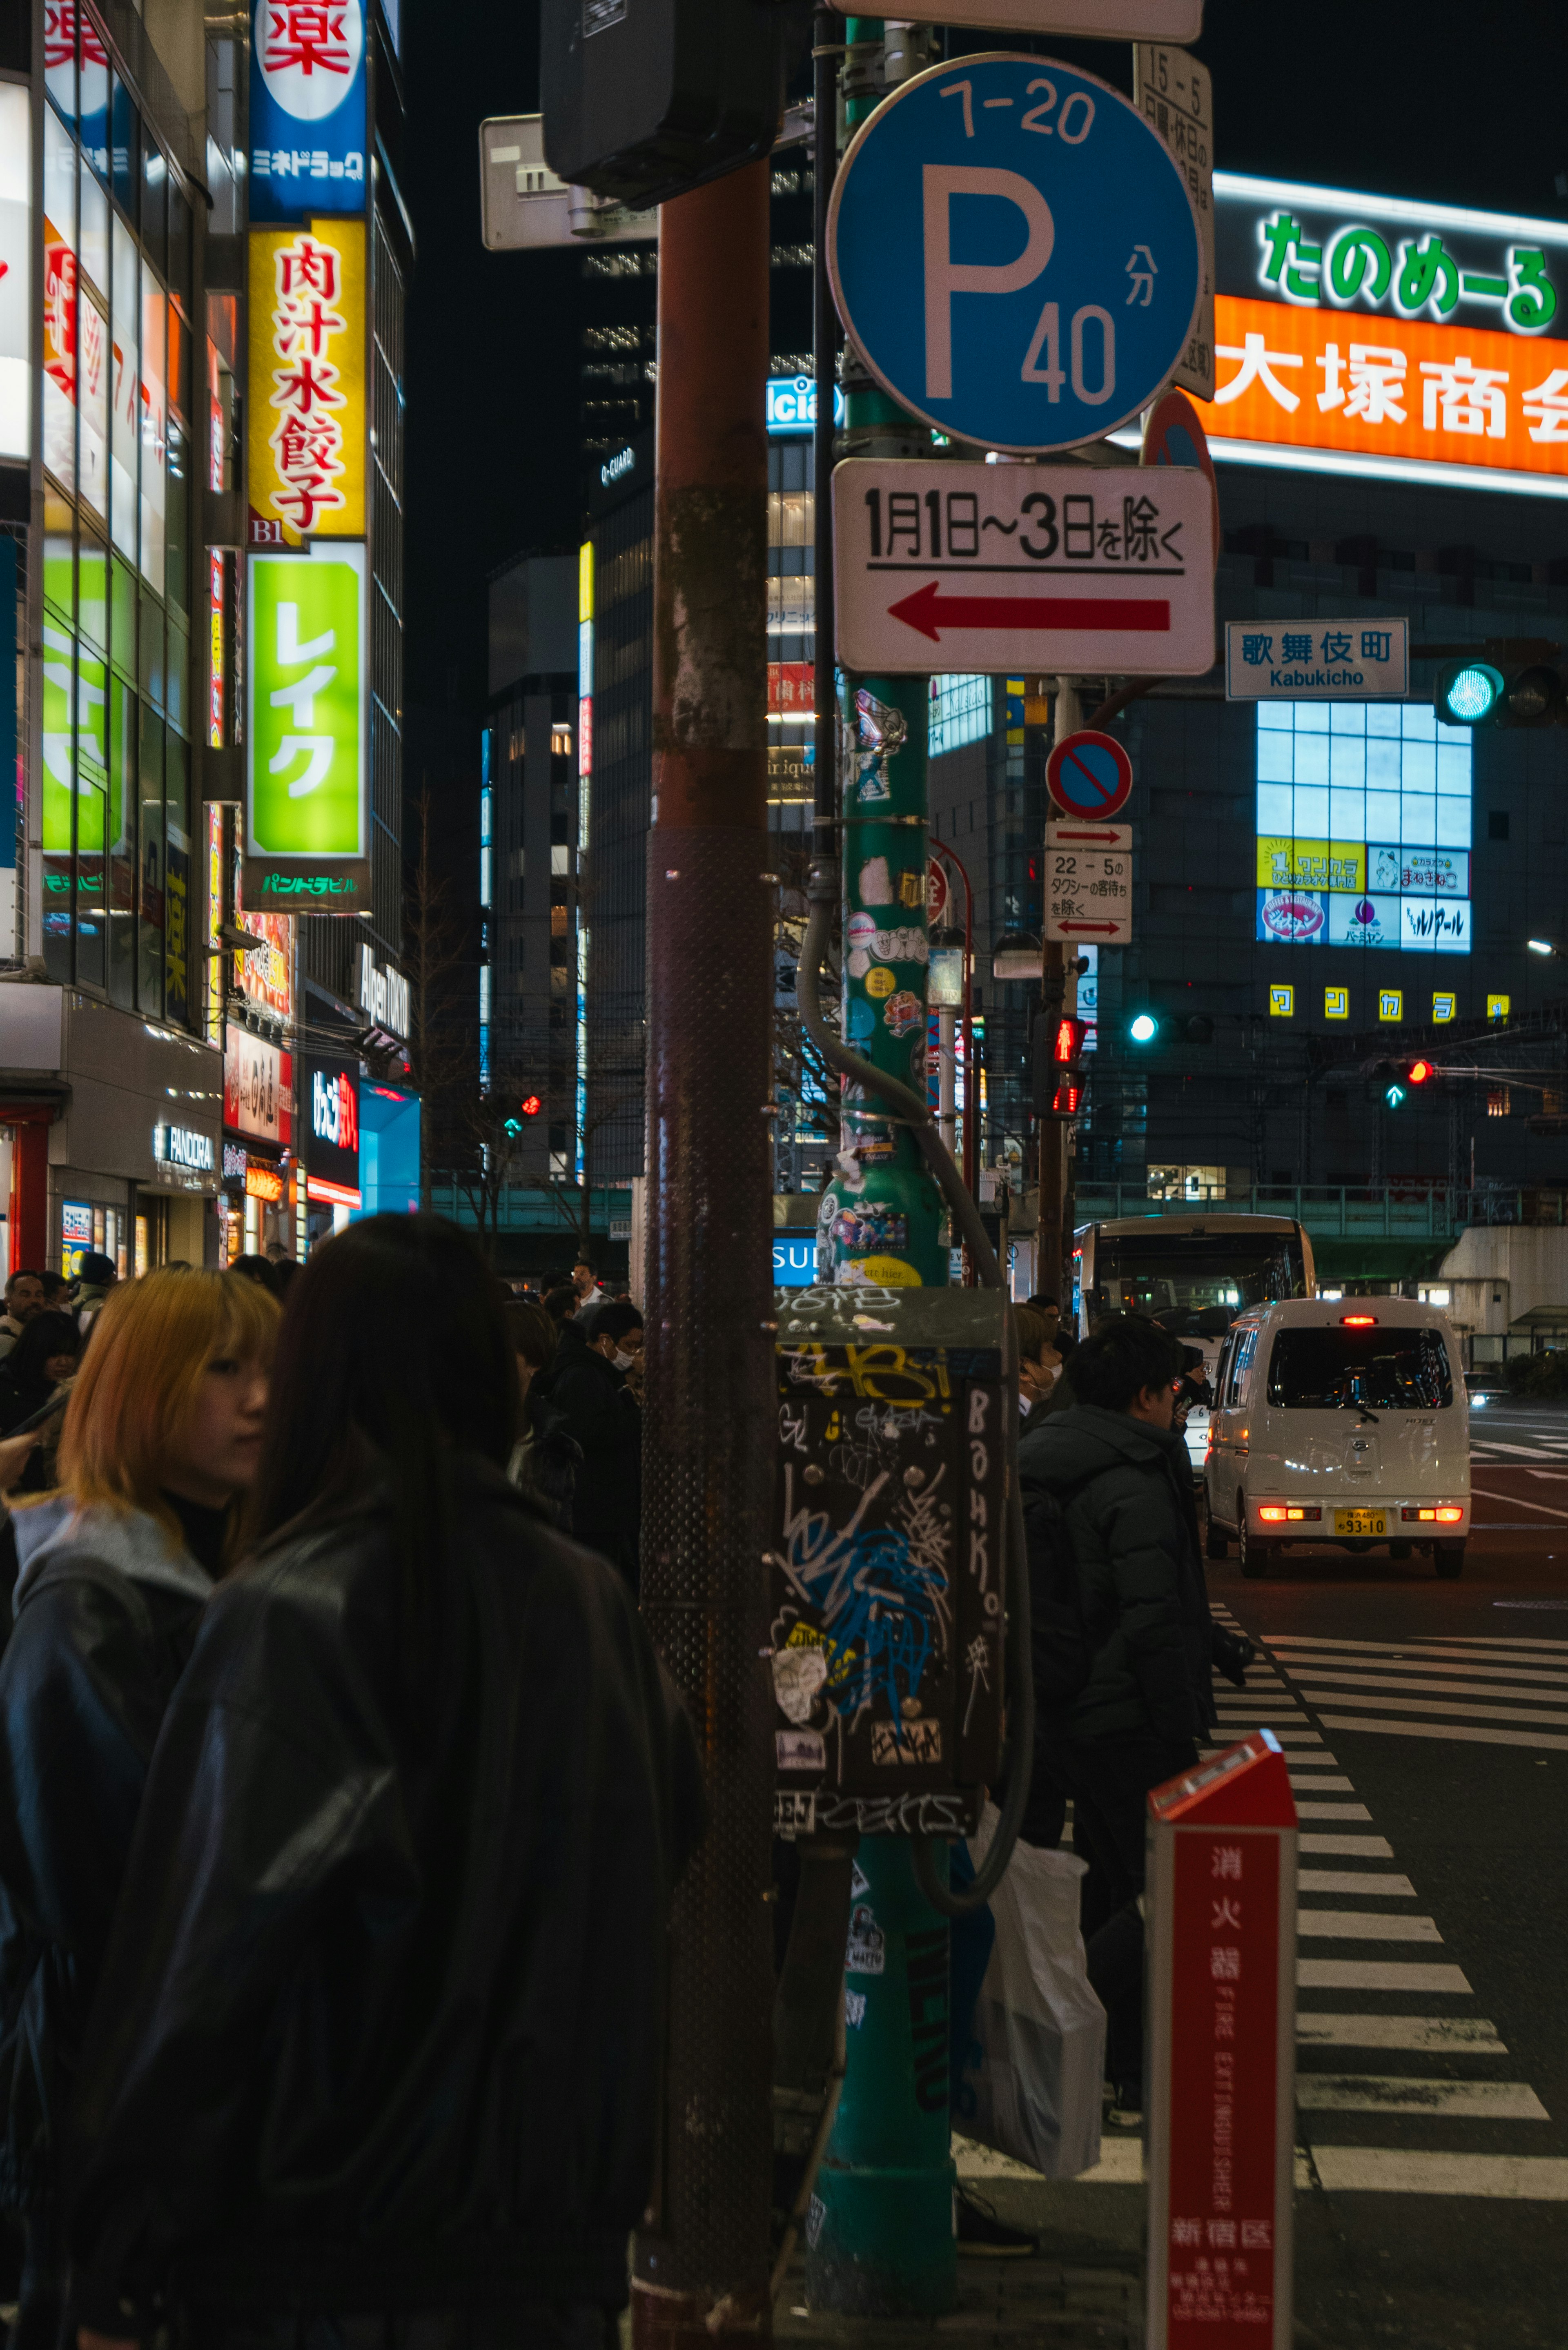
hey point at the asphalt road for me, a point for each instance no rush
(1427, 1726)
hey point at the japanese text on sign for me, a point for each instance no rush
(306, 430)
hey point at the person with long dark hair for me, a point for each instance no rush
(38, 1366)
(380, 2024)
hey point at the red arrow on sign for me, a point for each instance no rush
(923, 612)
(1112, 927)
(1067, 835)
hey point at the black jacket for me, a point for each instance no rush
(1125, 1492)
(590, 1400)
(381, 2021)
(107, 1610)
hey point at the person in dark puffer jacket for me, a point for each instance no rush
(1112, 1478)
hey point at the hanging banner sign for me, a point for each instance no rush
(305, 435)
(307, 114)
(307, 817)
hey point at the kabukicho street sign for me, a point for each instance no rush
(1317, 661)
(1014, 253)
(940, 564)
(1173, 434)
(1089, 776)
(1105, 20)
(1175, 96)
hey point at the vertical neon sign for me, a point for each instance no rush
(215, 662)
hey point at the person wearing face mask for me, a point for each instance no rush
(161, 1438)
(593, 1402)
(38, 1367)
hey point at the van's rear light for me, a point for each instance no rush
(1358, 1321)
(1276, 1513)
(1444, 1514)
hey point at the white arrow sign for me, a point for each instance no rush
(1090, 571)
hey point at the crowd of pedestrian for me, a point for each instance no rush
(341, 1801)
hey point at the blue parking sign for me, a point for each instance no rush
(1014, 253)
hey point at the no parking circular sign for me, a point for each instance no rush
(1089, 776)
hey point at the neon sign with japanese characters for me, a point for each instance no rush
(305, 722)
(307, 413)
(308, 108)
(1392, 338)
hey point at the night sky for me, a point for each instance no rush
(1441, 99)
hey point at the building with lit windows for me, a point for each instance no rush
(144, 1063)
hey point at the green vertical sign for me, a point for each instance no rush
(306, 705)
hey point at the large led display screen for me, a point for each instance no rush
(1363, 826)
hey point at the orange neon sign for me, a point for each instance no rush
(1388, 387)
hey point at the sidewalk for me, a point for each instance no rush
(1047, 2302)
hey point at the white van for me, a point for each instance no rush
(1339, 1421)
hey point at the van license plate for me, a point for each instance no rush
(1360, 1522)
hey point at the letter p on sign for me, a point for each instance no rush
(945, 277)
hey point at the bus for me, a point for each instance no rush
(1193, 1274)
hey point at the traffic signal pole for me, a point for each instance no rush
(1058, 994)
(701, 2271)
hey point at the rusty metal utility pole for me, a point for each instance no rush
(1058, 994)
(702, 2261)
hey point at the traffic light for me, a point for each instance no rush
(1143, 1028)
(1477, 693)
(1419, 1073)
(1147, 1028)
(1058, 1081)
(529, 1106)
(1394, 1093)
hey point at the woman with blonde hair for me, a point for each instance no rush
(161, 1442)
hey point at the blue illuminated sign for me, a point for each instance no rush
(795, 1260)
(791, 405)
(308, 109)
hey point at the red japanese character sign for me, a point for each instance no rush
(1221, 2066)
(308, 52)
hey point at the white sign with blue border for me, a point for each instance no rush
(1014, 253)
(1317, 661)
(308, 109)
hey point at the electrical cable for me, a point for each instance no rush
(909, 1109)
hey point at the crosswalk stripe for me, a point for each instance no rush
(1311, 1762)
(1398, 2093)
(1378, 1974)
(1381, 1703)
(1333, 1811)
(1349, 1678)
(1395, 2170)
(1447, 2035)
(1346, 1847)
(1364, 1925)
(1326, 1785)
(1450, 1644)
(1384, 1884)
(1464, 1733)
(1447, 1661)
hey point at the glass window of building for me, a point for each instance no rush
(116, 402)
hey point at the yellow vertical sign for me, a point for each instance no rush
(1390, 1004)
(305, 435)
(1336, 1002)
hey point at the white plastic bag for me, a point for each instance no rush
(1037, 2053)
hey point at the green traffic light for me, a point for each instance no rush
(1143, 1028)
(1394, 1095)
(1468, 694)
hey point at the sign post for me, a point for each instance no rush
(1175, 97)
(1221, 2063)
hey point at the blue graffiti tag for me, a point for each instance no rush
(878, 1605)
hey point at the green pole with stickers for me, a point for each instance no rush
(879, 2236)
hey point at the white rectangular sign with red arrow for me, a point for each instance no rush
(1089, 889)
(942, 566)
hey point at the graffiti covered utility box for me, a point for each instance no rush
(887, 1556)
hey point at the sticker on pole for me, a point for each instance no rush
(1014, 252)
(1085, 570)
(1089, 775)
(1173, 434)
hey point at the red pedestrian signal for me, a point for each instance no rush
(1069, 1041)
(1067, 1099)
(531, 1106)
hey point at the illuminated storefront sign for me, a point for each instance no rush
(258, 1087)
(179, 1146)
(1407, 341)
(383, 995)
(266, 973)
(307, 821)
(264, 1184)
(307, 108)
(331, 1110)
(305, 435)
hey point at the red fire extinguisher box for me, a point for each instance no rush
(1220, 2096)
